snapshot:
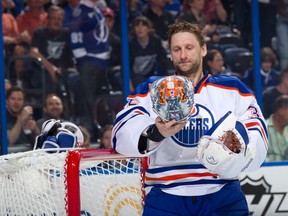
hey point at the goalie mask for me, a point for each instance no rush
(172, 98)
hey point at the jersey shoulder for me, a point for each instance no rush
(143, 88)
(228, 82)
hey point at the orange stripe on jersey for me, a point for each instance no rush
(203, 83)
(180, 176)
(138, 112)
(228, 88)
(253, 124)
(138, 95)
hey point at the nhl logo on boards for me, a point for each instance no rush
(259, 194)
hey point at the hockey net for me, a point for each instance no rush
(78, 182)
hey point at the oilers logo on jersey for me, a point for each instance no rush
(199, 123)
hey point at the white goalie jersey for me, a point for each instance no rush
(173, 164)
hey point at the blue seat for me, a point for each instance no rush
(231, 38)
(242, 62)
(231, 53)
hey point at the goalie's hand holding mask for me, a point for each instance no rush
(173, 101)
(59, 134)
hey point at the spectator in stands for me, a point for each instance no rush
(8, 85)
(193, 13)
(267, 21)
(10, 33)
(105, 137)
(7, 4)
(215, 12)
(114, 39)
(282, 29)
(51, 43)
(14, 7)
(159, 17)
(271, 93)
(147, 55)
(242, 16)
(86, 135)
(22, 128)
(213, 62)
(174, 7)
(90, 46)
(114, 71)
(52, 109)
(132, 12)
(277, 125)
(68, 7)
(270, 76)
(34, 17)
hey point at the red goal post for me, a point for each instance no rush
(76, 182)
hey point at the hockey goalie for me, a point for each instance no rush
(197, 145)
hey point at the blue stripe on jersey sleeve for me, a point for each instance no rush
(123, 115)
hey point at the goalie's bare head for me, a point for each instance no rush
(173, 98)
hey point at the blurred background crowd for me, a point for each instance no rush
(63, 58)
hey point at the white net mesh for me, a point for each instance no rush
(33, 183)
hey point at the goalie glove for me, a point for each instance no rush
(231, 132)
(57, 134)
(64, 139)
(50, 127)
(223, 150)
(219, 159)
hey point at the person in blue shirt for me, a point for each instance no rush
(270, 76)
(147, 55)
(90, 46)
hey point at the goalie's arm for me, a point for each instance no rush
(128, 127)
(256, 127)
(258, 141)
(129, 135)
(152, 136)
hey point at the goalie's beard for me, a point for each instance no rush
(191, 70)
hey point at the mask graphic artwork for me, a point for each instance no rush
(173, 98)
